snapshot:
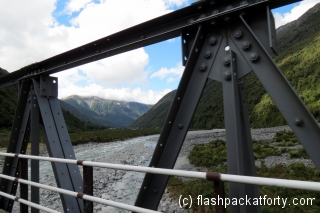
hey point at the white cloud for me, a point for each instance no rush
(295, 13)
(29, 33)
(171, 74)
(76, 5)
(176, 2)
(171, 40)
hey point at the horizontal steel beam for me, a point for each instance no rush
(147, 33)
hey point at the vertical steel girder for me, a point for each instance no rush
(251, 46)
(240, 157)
(35, 141)
(17, 144)
(288, 102)
(58, 143)
(32, 100)
(194, 78)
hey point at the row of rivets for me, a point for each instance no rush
(254, 57)
(246, 46)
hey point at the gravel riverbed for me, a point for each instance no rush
(123, 186)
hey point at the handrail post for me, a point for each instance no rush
(23, 187)
(218, 191)
(87, 188)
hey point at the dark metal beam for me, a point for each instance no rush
(150, 32)
(202, 55)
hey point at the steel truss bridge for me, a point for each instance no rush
(221, 40)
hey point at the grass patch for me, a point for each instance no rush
(213, 156)
(79, 137)
(214, 153)
(286, 137)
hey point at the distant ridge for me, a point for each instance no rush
(106, 112)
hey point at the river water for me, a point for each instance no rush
(120, 186)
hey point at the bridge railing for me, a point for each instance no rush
(217, 178)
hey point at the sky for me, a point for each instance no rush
(36, 30)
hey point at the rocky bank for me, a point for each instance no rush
(123, 186)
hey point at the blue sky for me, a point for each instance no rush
(41, 29)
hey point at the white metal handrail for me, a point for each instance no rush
(26, 202)
(79, 195)
(285, 183)
(294, 184)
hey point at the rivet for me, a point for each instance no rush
(207, 54)
(246, 45)
(227, 19)
(179, 98)
(254, 57)
(142, 37)
(203, 67)
(213, 22)
(238, 34)
(243, 3)
(155, 191)
(202, 16)
(200, 7)
(229, 7)
(212, 40)
(180, 126)
(227, 76)
(298, 122)
(226, 61)
(191, 20)
(215, 12)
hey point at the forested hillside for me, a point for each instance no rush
(298, 59)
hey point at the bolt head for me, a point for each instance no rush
(243, 3)
(226, 61)
(246, 45)
(212, 40)
(203, 67)
(180, 126)
(191, 20)
(298, 122)
(215, 12)
(202, 16)
(227, 19)
(254, 57)
(229, 7)
(207, 54)
(238, 34)
(227, 76)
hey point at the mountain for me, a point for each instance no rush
(107, 112)
(298, 59)
(9, 100)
